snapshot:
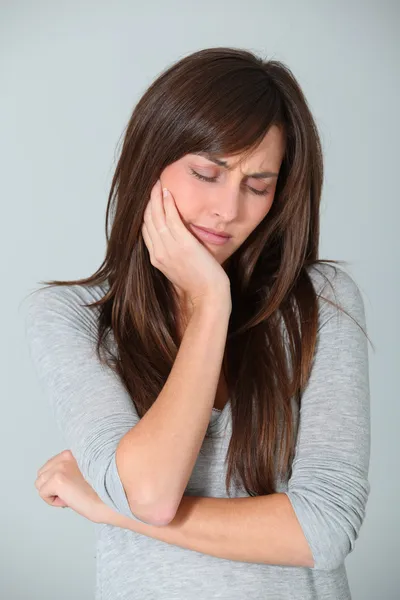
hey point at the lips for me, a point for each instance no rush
(214, 231)
(210, 237)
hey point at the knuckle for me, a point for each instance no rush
(157, 256)
(59, 477)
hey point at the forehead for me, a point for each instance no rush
(267, 155)
(271, 148)
(223, 163)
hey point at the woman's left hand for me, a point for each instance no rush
(60, 483)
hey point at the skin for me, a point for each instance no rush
(206, 525)
(228, 203)
(213, 526)
(225, 204)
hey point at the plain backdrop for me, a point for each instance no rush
(70, 75)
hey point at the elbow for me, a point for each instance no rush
(331, 556)
(138, 499)
(150, 512)
(330, 530)
(148, 507)
(157, 513)
(338, 539)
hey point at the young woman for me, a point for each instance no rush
(212, 387)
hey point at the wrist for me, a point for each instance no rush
(106, 515)
(215, 302)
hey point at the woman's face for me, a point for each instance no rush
(228, 203)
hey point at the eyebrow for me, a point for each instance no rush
(223, 163)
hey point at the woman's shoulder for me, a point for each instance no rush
(63, 303)
(332, 283)
(333, 280)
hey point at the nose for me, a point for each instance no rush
(226, 202)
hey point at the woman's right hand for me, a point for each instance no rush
(177, 253)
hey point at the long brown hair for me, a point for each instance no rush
(221, 100)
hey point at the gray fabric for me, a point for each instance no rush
(328, 488)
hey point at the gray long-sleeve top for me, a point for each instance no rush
(328, 488)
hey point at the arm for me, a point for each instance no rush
(329, 485)
(161, 450)
(328, 488)
(263, 529)
(96, 415)
(91, 407)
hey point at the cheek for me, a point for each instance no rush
(257, 215)
(189, 201)
(185, 202)
(184, 197)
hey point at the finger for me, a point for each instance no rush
(47, 493)
(159, 217)
(157, 207)
(45, 482)
(58, 503)
(173, 218)
(64, 455)
(147, 239)
(45, 485)
(149, 231)
(148, 217)
(44, 477)
(159, 240)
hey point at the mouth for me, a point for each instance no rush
(214, 231)
(210, 235)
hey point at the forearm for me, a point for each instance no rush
(156, 457)
(261, 529)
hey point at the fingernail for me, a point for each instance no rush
(165, 192)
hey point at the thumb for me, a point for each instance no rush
(59, 503)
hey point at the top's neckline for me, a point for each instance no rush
(219, 418)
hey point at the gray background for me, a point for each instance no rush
(71, 73)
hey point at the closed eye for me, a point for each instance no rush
(213, 179)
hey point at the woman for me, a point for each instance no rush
(189, 362)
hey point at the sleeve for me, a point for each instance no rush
(329, 486)
(92, 409)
